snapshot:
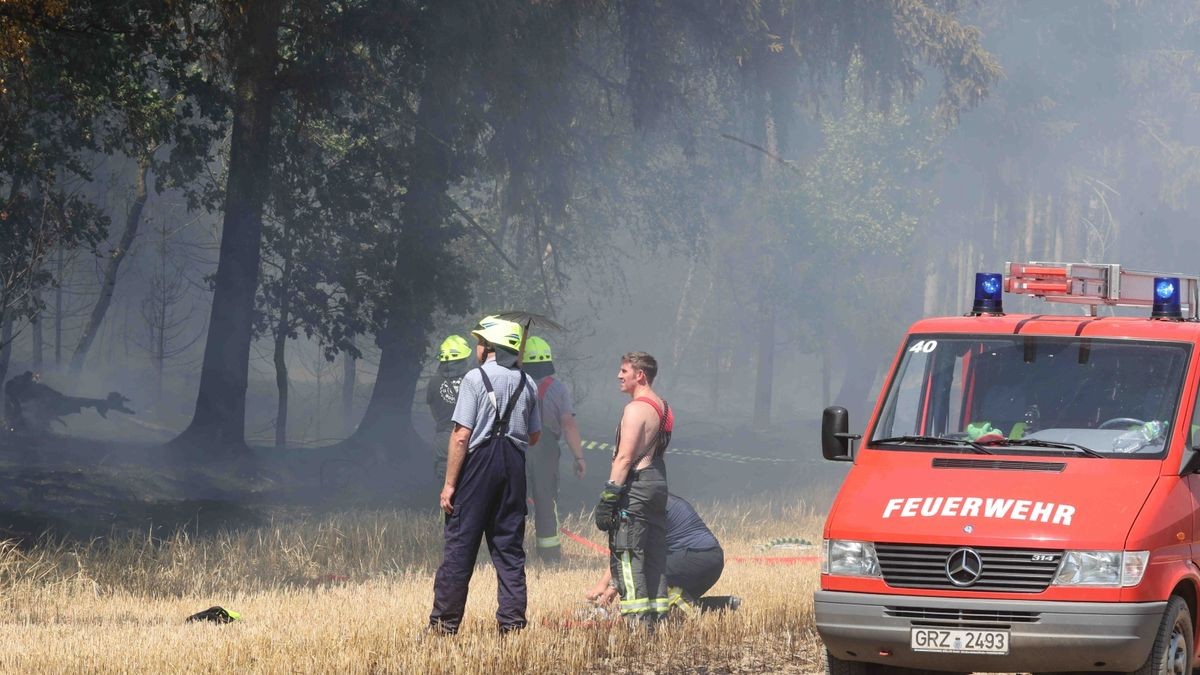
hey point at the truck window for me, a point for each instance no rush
(1116, 397)
(1194, 432)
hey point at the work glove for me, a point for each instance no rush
(606, 510)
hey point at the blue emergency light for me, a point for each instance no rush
(1166, 299)
(989, 291)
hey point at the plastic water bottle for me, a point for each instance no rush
(1139, 437)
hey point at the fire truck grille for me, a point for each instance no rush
(997, 464)
(1005, 570)
(961, 618)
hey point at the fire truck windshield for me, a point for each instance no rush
(1019, 394)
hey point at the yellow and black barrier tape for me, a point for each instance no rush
(695, 452)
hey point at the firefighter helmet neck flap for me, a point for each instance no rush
(501, 336)
(538, 360)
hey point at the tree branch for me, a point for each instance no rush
(786, 162)
(467, 217)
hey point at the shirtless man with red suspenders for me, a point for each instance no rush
(633, 505)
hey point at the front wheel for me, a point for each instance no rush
(1173, 650)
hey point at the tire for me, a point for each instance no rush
(1173, 650)
(836, 666)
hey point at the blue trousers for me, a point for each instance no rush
(489, 504)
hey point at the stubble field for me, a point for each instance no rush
(351, 592)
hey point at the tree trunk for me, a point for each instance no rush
(714, 381)
(36, 334)
(402, 341)
(388, 417)
(132, 219)
(1030, 221)
(6, 339)
(826, 368)
(281, 335)
(931, 305)
(349, 380)
(220, 418)
(160, 316)
(765, 372)
(317, 412)
(158, 358)
(281, 385)
(1071, 215)
(58, 312)
(766, 364)
(37, 338)
(688, 315)
(861, 364)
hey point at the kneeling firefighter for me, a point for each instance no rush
(695, 561)
(558, 422)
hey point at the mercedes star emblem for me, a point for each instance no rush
(963, 567)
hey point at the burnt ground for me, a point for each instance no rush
(81, 488)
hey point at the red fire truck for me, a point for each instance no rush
(1025, 496)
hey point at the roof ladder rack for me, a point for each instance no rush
(1093, 285)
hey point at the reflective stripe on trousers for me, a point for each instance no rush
(542, 468)
(638, 545)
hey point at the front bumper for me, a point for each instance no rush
(1043, 636)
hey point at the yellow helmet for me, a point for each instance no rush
(499, 332)
(454, 348)
(537, 350)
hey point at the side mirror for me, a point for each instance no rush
(837, 443)
(1191, 461)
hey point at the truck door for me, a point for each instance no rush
(1193, 482)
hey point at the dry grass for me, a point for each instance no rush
(352, 592)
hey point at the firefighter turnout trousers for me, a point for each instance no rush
(638, 545)
(441, 454)
(542, 467)
(489, 503)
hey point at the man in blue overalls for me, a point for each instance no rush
(496, 419)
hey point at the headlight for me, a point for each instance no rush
(1102, 568)
(849, 558)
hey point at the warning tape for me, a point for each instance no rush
(695, 452)
(786, 542)
(760, 559)
(602, 550)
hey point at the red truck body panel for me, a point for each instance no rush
(938, 497)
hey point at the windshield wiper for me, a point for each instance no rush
(1038, 443)
(936, 440)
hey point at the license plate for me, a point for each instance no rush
(959, 641)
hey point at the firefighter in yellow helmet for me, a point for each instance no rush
(558, 422)
(442, 393)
